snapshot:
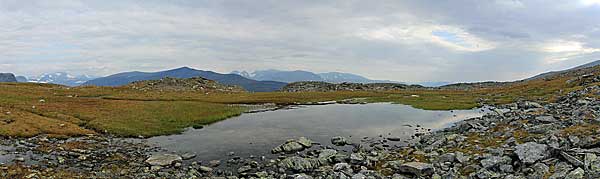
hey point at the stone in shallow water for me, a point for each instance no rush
(163, 159)
(188, 156)
(305, 142)
(531, 152)
(293, 146)
(339, 141)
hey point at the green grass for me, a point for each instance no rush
(160, 118)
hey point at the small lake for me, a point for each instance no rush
(257, 133)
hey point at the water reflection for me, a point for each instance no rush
(257, 133)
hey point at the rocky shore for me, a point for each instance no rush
(523, 140)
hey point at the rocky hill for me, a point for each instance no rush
(317, 86)
(188, 84)
(7, 77)
(581, 75)
(554, 73)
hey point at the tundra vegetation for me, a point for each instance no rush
(540, 128)
(30, 109)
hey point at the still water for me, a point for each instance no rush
(257, 133)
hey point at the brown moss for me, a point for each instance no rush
(581, 130)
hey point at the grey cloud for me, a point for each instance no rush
(104, 37)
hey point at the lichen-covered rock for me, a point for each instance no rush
(531, 152)
(293, 145)
(299, 164)
(576, 174)
(339, 141)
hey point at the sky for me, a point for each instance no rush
(401, 40)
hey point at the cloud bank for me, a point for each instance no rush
(427, 40)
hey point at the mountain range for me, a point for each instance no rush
(60, 78)
(299, 75)
(186, 72)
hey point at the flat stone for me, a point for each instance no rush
(416, 168)
(545, 119)
(188, 156)
(531, 152)
(494, 161)
(163, 159)
(205, 169)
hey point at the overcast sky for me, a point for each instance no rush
(420, 40)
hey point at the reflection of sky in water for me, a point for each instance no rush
(258, 133)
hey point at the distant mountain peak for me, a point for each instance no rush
(7, 77)
(61, 78)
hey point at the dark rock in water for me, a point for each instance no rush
(7, 77)
(395, 139)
